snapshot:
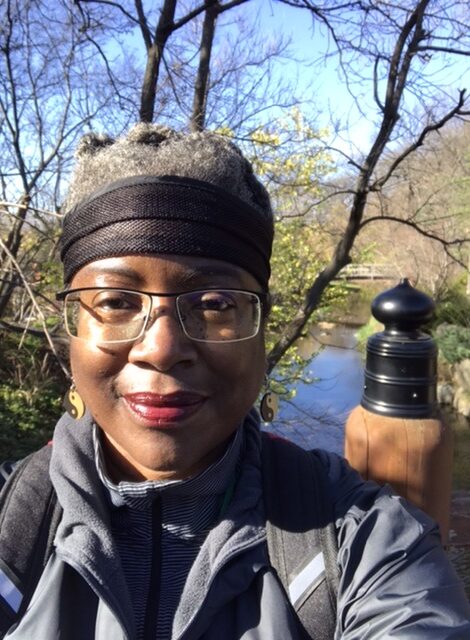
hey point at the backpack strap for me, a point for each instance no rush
(6, 469)
(301, 533)
(29, 516)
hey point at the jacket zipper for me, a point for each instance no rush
(151, 611)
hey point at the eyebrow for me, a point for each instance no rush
(123, 272)
(209, 270)
(190, 274)
(118, 271)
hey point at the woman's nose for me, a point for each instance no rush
(164, 343)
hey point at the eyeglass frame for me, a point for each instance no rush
(263, 298)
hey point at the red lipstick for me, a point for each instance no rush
(160, 410)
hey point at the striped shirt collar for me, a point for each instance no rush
(212, 481)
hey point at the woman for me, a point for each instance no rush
(166, 248)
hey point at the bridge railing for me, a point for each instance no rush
(367, 272)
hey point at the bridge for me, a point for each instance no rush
(367, 272)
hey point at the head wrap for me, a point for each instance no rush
(166, 215)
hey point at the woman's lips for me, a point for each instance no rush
(160, 409)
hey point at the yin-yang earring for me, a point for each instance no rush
(74, 404)
(269, 405)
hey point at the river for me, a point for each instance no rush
(315, 417)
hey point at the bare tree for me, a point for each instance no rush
(392, 40)
(47, 97)
(244, 86)
(202, 78)
(430, 188)
(199, 71)
(155, 39)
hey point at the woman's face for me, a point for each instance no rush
(166, 404)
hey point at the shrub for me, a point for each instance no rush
(31, 387)
(27, 419)
(453, 342)
(454, 306)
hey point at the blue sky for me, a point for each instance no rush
(331, 97)
(308, 43)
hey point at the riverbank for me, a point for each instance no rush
(454, 386)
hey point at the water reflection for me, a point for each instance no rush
(317, 414)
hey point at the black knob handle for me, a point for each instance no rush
(401, 365)
(403, 308)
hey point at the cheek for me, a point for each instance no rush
(92, 367)
(240, 366)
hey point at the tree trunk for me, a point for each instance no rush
(12, 243)
(154, 58)
(468, 276)
(198, 114)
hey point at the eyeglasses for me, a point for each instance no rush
(117, 316)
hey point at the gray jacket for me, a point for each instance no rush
(395, 579)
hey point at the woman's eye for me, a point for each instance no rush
(215, 302)
(116, 301)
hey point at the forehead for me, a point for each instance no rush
(163, 273)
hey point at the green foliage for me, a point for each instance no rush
(34, 306)
(49, 275)
(31, 388)
(364, 333)
(461, 462)
(27, 418)
(298, 256)
(454, 306)
(289, 157)
(25, 360)
(453, 342)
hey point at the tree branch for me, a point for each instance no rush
(36, 306)
(420, 140)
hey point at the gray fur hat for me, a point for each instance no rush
(156, 191)
(152, 149)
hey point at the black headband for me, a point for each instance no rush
(166, 215)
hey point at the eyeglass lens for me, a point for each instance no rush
(115, 315)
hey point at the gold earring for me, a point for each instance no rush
(74, 404)
(269, 405)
